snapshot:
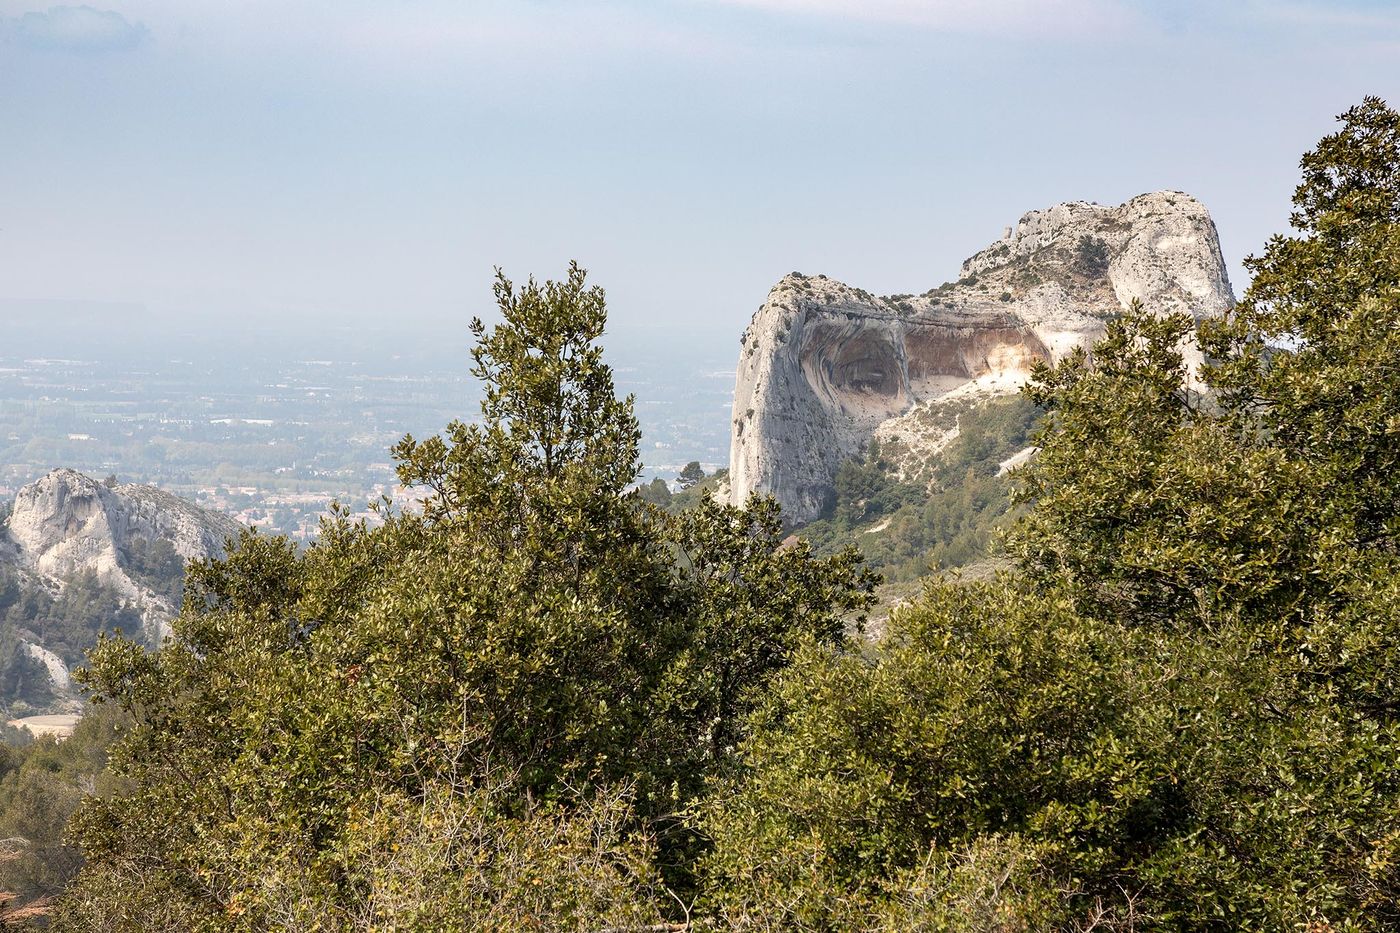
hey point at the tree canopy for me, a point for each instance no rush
(537, 664)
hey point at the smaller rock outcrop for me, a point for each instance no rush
(58, 671)
(66, 523)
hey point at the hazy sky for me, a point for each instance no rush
(344, 161)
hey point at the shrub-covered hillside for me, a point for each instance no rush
(947, 519)
(543, 703)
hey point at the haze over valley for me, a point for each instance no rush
(271, 428)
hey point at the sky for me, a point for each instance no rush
(328, 164)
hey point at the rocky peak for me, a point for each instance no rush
(825, 367)
(66, 523)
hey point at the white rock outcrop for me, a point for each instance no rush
(67, 523)
(58, 671)
(826, 367)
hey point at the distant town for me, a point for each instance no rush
(275, 442)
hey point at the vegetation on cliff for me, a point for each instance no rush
(949, 517)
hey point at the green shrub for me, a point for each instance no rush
(1091, 256)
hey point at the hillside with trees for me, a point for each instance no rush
(907, 528)
(542, 702)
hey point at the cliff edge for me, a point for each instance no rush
(67, 523)
(827, 368)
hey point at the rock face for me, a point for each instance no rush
(825, 367)
(67, 523)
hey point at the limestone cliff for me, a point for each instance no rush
(67, 523)
(825, 367)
